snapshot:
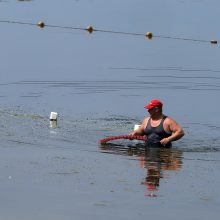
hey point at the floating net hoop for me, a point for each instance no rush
(128, 136)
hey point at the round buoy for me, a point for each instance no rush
(214, 41)
(41, 24)
(90, 29)
(149, 35)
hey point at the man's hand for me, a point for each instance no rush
(165, 141)
(131, 136)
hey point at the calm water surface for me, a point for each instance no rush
(98, 83)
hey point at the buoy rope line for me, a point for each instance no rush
(90, 29)
(128, 136)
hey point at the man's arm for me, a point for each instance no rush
(176, 131)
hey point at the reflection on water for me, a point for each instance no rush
(19, 128)
(156, 161)
(53, 124)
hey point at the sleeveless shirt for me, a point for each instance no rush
(156, 134)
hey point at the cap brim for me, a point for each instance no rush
(148, 107)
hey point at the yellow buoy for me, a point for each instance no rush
(149, 35)
(41, 24)
(90, 29)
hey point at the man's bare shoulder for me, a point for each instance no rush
(147, 118)
(168, 119)
(171, 123)
(145, 121)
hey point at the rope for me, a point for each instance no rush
(90, 29)
(136, 137)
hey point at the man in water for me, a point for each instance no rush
(160, 129)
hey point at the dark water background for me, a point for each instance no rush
(98, 83)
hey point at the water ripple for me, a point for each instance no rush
(33, 129)
(151, 82)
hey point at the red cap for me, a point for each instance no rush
(154, 103)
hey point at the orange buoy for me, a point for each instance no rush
(41, 24)
(149, 35)
(90, 29)
(214, 41)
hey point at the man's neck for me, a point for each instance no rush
(157, 116)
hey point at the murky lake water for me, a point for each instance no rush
(98, 83)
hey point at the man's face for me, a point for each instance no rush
(153, 110)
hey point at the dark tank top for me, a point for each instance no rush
(156, 134)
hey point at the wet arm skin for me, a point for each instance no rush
(171, 126)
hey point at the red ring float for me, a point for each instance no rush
(128, 136)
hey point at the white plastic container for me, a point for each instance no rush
(136, 127)
(53, 116)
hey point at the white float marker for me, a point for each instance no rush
(53, 119)
(53, 116)
(136, 127)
